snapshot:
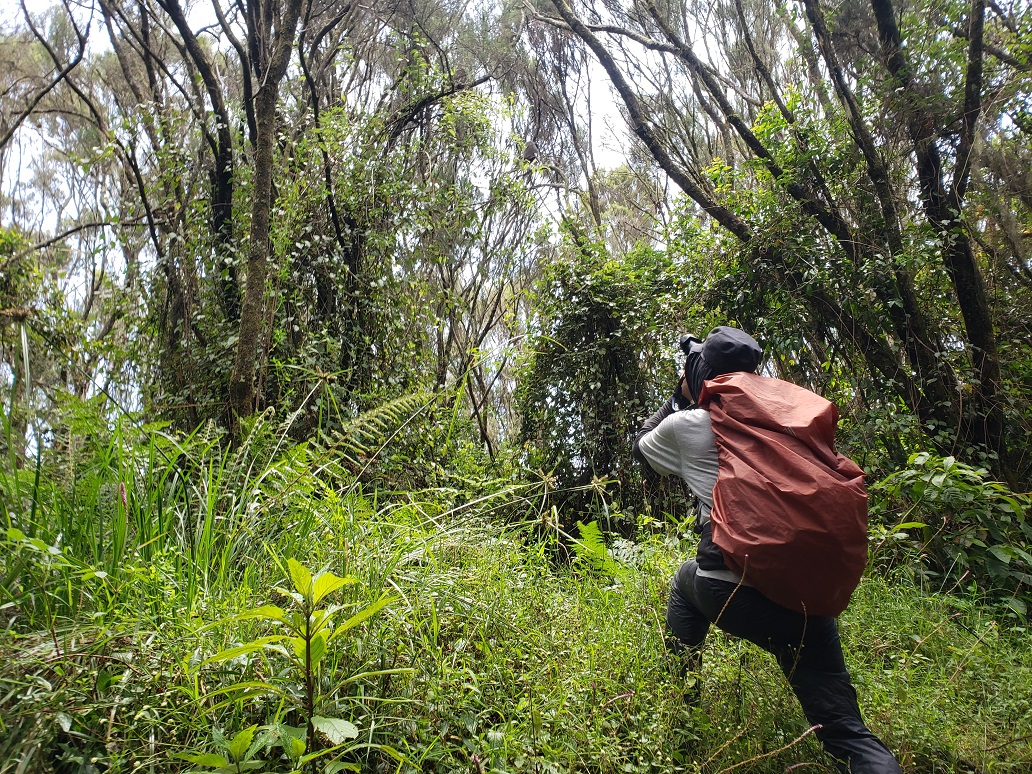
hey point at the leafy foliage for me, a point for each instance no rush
(308, 633)
(969, 528)
(460, 323)
(598, 364)
(515, 660)
(591, 549)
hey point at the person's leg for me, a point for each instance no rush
(828, 699)
(686, 629)
(684, 620)
(809, 652)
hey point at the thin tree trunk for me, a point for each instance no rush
(270, 66)
(252, 310)
(223, 160)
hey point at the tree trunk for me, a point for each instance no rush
(221, 145)
(252, 311)
(943, 207)
(271, 32)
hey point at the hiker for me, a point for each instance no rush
(678, 440)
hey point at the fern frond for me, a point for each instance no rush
(369, 432)
(591, 549)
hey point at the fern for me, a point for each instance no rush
(591, 549)
(367, 434)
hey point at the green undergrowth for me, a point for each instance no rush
(493, 656)
(161, 627)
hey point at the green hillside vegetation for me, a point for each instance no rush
(149, 607)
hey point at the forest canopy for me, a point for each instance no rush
(211, 211)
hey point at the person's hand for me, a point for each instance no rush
(682, 397)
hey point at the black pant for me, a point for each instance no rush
(808, 651)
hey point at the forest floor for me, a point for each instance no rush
(452, 643)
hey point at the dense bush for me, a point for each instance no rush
(952, 527)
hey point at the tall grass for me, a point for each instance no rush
(133, 554)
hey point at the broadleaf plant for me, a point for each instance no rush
(305, 634)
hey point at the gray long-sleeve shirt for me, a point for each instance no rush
(681, 443)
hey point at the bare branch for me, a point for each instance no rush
(80, 227)
(61, 76)
(645, 132)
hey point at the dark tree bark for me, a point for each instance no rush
(943, 206)
(271, 35)
(223, 159)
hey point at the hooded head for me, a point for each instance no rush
(724, 351)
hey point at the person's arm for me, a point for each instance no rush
(651, 424)
(678, 402)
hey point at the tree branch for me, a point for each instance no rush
(76, 229)
(972, 103)
(644, 131)
(62, 75)
(832, 221)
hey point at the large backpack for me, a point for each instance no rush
(789, 513)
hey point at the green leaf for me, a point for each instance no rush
(245, 690)
(240, 650)
(203, 759)
(298, 598)
(385, 748)
(327, 583)
(336, 766)
(15, 535)
(290, 732)
(269, 612)
(300, 577)
(1017, 605)
(1001, 553)
(911, 525)
(1014, 503)
(312, 756)
(294, 747)
(241, 742)
(321, 617)
(319, 647)
(336, 730)
(362, 615)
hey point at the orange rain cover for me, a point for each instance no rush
(789, 513)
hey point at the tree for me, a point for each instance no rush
(799, 132)
(271, 29)
(598, 363)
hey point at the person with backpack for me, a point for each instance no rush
(779, 510)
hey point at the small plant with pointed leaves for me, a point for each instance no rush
(238, 758)
(306, 632)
